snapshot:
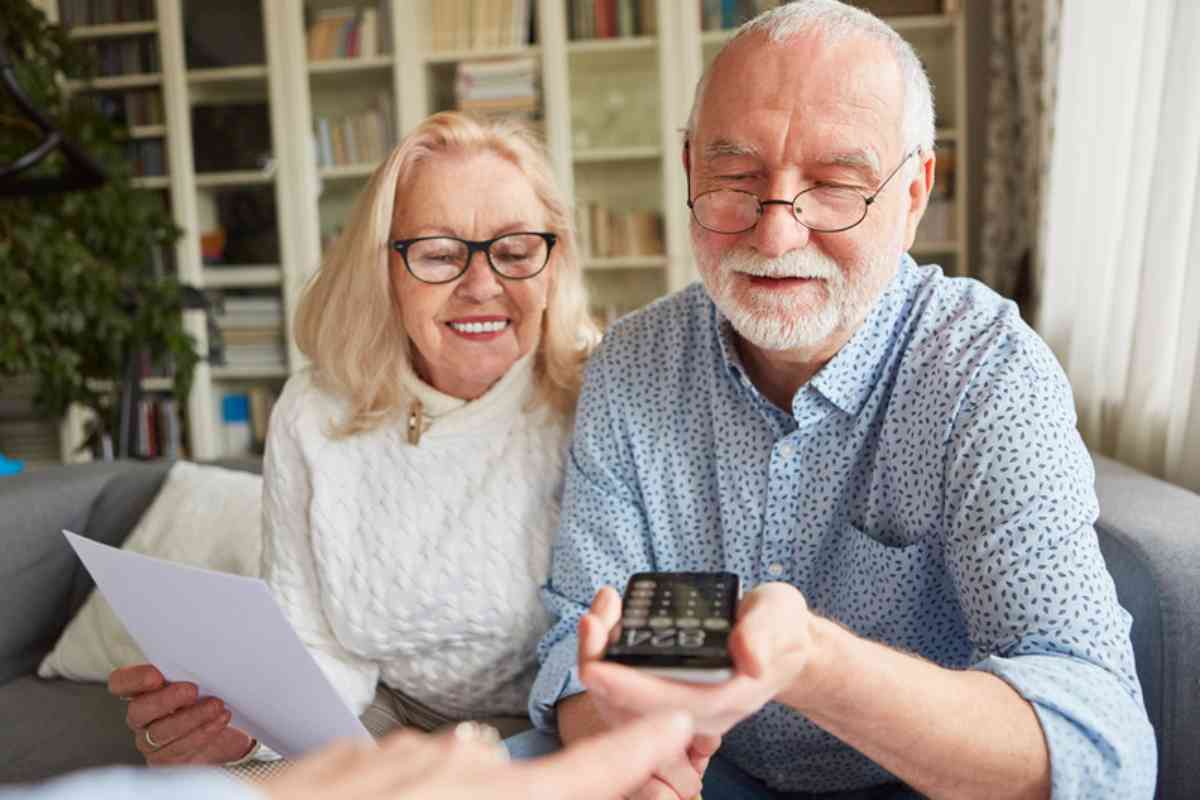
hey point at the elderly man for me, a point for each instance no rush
(887, 454)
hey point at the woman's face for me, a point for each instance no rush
(467, 333)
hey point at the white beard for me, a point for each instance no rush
(775, 320)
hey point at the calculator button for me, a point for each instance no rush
(687, 622)
(644, 585)
(713, 624)
(661, 622)
(632, 621)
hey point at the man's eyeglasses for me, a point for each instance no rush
(442, 259)
(820, 208)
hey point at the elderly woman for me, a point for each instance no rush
(413, 474)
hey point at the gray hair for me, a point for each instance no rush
(835, 21)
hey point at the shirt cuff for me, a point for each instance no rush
(557, 680)
(1098, 735)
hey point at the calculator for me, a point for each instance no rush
(677, 625)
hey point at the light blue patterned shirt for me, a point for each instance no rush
(927, 490)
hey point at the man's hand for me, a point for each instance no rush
(414, 766)
(773, 646)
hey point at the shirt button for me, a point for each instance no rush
(775, 569)
(786, 450)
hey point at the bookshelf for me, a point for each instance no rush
(332, 84)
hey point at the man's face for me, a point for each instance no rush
(777, 119)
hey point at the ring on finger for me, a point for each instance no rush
(153, 745)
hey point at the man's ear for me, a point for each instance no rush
(919, 189)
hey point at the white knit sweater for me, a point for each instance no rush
(418, 566)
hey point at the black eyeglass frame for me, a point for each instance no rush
(867, 201)
(401, 246)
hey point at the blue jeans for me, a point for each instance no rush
(723, 780)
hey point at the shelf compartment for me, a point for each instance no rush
(116, 82)
(346, 172)
(151, 182)
(616, 44)
(236, 277)
(212, 180)
(597, 155)
(225, 373)
(248, 72)
(113, 30)
(625, 262)
(147, 131)
(452, 56)
(340, 65)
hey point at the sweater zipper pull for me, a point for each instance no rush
(416, 422)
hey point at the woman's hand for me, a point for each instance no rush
(458, 766)
(171, 724)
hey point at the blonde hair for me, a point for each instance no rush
(347, 321)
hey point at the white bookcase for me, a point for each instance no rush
(611, 112)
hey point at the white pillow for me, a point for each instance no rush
(203, 516)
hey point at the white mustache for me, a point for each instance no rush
(789, 265)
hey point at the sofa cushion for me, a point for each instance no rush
(205, 516)
(42, 583)
(52, 727)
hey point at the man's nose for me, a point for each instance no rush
(479, 282)
(778, 231)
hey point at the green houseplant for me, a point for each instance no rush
(77, 289)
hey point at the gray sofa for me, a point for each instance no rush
(1149, 532)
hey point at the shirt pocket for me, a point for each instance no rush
(897, 594)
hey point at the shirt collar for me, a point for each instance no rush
(849, 377)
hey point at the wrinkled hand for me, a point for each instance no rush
(184, 728)
(771, 646)
(454, 766)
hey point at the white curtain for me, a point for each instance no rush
(1120, 258)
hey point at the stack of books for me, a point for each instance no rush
(159, 433)
(146, 157)
(362, 138)
(104, 12)
(344, 32)
(252, 331)
(605, 233)
(608, 19)
(502, 87)
(480, 24)
(136, 55)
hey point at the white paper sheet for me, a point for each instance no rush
(226, 634)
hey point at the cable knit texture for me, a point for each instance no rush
(418, 566)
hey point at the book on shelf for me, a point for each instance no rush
(605, 233)
(127, 55)
(344, 32)
(479, 24)
(104, 12)
(159, 432)
(362, 138)
(608, 19)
